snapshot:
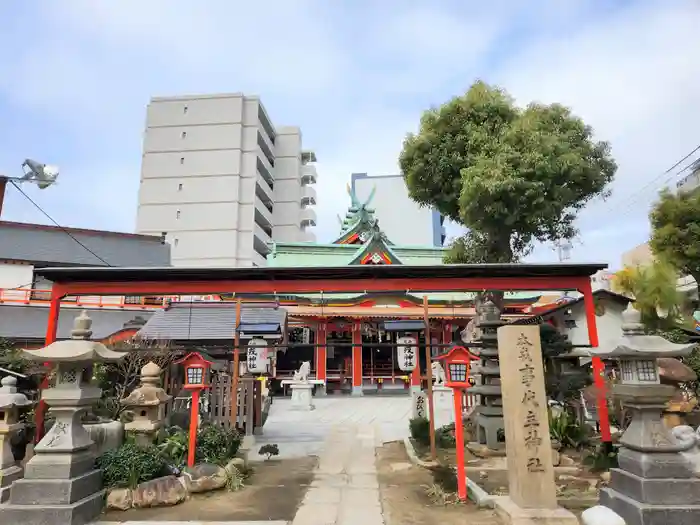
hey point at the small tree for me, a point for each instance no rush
(675, 231)
(560, 387)
(653, 288)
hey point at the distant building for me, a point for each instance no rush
(24, 298)
(638, 256)
(222, 181)
(401, 219)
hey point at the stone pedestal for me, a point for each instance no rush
(655, 484)
(302, 396)
(61, 484)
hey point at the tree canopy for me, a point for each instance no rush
(675, 231)
(511, 175)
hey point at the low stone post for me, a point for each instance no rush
(657, 482)
(11, 402)
(61, 484)
(147, 402)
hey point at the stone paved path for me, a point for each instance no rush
(345, 490)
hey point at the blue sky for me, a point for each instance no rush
(76, 75)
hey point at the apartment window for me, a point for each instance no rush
(184, 134)
(184, 109)
(182, 160)
(179, 187)
(177, 214)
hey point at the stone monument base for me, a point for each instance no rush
(636, 513)
(513, 514)
(302, 396)
(81, 512)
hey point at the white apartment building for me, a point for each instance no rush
(403, 221)
(221, 182)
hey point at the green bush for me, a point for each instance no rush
(566, 430)
(603, 458)
(445, 477)
(131, 464)
(445, 436)
(174, 446)
(217, 445)
(269, 450)
(420, 430)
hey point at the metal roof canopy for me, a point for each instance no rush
(168, 280)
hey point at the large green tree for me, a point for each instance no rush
(511, 175)
(675, 231)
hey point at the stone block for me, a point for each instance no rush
(120, 499)
(636, 513)
(316, 514)
(55, 491)
(656, 491)
(106, 435)
(9, 476)
(59, 466)
(658, 465)
(204, 477)
(81, 512)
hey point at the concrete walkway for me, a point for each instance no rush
(345, 490)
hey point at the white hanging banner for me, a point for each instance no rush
(407, 353)
(256, 356)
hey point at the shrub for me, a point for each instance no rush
(131, 464)
(603, 458)
(217, 445)
(445, 477)
(420, 430)
(174, 446)
(445, 436)
(566, 430)
(269, 450)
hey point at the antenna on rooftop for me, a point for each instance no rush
(563, 248)
(43, 175)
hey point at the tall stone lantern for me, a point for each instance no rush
(147, 403)
(656, 482)
(61, 484)
(11, 402)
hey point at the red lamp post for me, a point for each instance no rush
(196, 375)
(458, 362)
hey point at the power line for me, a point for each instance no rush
(56, 223)
(634, 197)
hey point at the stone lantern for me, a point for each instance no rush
(147, 402)
(61, 484)
(656, 482)
(11, 402)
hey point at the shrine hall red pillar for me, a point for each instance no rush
(321, 354)
(415, 374)
(356, 358)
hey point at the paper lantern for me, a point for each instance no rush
(256, 356)
(407, 353)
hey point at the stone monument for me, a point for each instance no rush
(488, 417)
(61, 484)
(532, 494)
(11, 402)
(147, 402)
(657, 480)
(302, 388)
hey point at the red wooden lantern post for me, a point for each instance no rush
(457, 364)
(196, 375)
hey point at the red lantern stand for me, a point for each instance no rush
(457, 365)
(196, 374)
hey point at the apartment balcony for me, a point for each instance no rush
(263, 191)
(263, 216)
(308, 196)
(265, 168)
(261, 240)
(308, 174)
(307, 217)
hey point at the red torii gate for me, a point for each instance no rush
(101, 281)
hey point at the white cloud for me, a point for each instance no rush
(354, 76)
